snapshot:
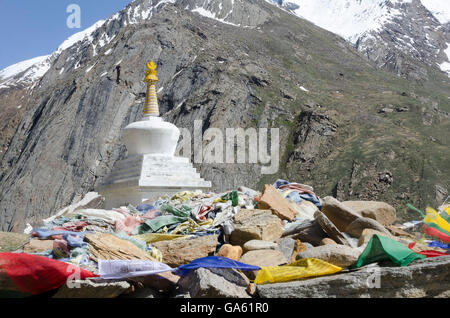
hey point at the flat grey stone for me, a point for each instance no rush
(424, 278)
(90, 289)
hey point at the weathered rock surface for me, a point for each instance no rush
(329, 228)
(38, 246)
(259, 245)
(309, 231)
(9, 242)
(328, 241)
(162, 282)
(398, 231)
(107, 246)
(255, 225)
(264, 258)
(273, 200)
(183, 251)
(339, 255)
(286, 245)
(367, 234)
(220, 283)
(230, 251)
(338, 213)
(379, 211)
(424, 278)
(90, 289)
(356, 227)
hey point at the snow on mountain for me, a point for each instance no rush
(439, 8)
(30, 71)
(445, 66)
(386, 31)
(347, 18)
(351, 19)
(80, 36)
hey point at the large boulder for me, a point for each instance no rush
(307, 231)
(272, 199)
(264, 258)
(106, 246)
(329, 228)
(367, 234)
(214, 283)
(339, 255)
(338, 213)
(424, 278)
(183, 251)
(379, 211)
(356, 227)
(255, 225)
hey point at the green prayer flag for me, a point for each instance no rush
(233, 196)
(153, 225)
(382, 248)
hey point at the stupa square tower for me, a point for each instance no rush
(151, 169)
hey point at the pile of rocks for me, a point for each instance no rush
(267, 229)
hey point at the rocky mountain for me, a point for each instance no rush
(406, 37)
(347, 126)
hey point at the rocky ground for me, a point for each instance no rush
(285, 223)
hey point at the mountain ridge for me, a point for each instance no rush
(347, 126)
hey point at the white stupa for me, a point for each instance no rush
(151, 169)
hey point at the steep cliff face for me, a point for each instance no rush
(229, 64)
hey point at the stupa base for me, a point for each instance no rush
(148, 177)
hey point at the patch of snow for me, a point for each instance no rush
(90, 68)
(118, 62)
(108, 52)
(303, 89)
(104, 74)
(80, 36)
(211, 15)
(30, 71)
(445, 66)
(179, 105)
(347, 18)
(440, 9)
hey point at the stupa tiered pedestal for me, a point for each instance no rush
(147, 177)
(151, 169)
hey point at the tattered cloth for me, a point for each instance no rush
(215, 262)
(381, 248)
(33, 274)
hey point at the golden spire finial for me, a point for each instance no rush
(151, 107)
(151, 72)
